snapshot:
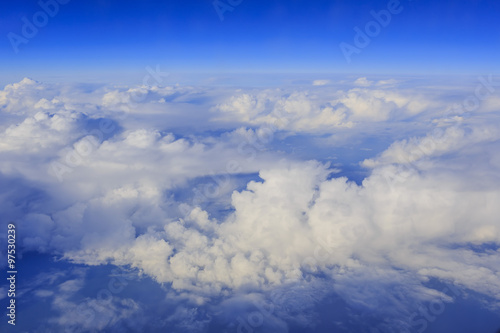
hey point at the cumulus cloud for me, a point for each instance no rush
(363, 82)
(17, 97)
(42, 130)
(325, 109)
(99, 182)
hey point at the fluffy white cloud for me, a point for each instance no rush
(18, 97)
(297, 221)
(325, 109)
(131, 192)
(363, 82)
(42, 130)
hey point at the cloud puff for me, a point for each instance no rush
(321, 82)
(363, 82)
(42, 130)
(17, 97)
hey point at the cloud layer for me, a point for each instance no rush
(96, 176)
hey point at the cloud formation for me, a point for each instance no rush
(96, 180)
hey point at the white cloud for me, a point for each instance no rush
(363, 82)
(18, 97)
(323, 109)
(321, 82)
(388, 82)
(280, 225)
(427, 203)
(42, 130)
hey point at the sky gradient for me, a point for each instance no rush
(92, 37)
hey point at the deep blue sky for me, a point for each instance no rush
(111, 37)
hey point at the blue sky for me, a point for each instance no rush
(431, 37)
